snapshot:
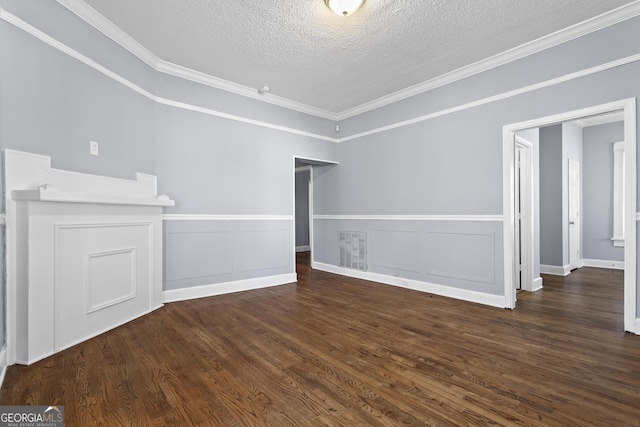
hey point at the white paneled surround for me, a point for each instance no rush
(84, 254)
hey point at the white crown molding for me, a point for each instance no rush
(499, 97)
(112, 31)
(215, 82)
(30, 29)
(617, 15)
(581, 29)
(472, 218)
(198, 217)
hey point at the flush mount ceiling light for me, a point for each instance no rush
(344, 7)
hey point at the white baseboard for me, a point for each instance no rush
(227, 287)
(3, 364)
(446, 291)
(555, 270)
(303, 248)
(637, 331)
(537, 284)
(599, 263)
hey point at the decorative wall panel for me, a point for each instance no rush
(193, 254)
(466, 256)
(395, 249)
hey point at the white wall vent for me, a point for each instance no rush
(352, 250)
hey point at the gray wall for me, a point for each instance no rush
(598, 191)
(450, 163)
(302, 208)
(551, 201)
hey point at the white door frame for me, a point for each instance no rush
(526, 220)
(309, 201)
(310, 163)
(628, 106)
(574, 262)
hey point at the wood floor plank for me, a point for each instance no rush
(336, 351)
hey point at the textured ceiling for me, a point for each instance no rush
(306, 53)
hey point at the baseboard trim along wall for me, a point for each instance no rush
(637, 331)
(445, 291)
(175, 295)
(555, 270)
(537, 284)
(303, 248)
(613, 265)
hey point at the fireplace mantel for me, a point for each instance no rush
(84, 254)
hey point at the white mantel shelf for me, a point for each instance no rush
(84, 254)
(42, 195)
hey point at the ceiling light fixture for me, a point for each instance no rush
(344, 7)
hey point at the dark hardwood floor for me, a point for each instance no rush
(336, 351)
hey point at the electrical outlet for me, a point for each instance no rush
(93, 148)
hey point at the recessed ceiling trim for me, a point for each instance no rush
(56, 44)
(498, 97)
(102, 24)
(607, 19)
(112, 31)
(250, 92)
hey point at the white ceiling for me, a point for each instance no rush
(306, 53)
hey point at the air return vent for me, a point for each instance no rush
(352, 250)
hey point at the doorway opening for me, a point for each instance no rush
(518, 226)
(303, 178)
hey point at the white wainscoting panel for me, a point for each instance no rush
(265, 249)
(192, 254)
(395, 249)
(466, 256)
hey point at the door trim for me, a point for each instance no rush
(628, 106)
(526, 234)
(577, 264)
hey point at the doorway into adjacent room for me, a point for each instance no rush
(522, 265)
(303, 176)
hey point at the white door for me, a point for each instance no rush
(574, 214)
